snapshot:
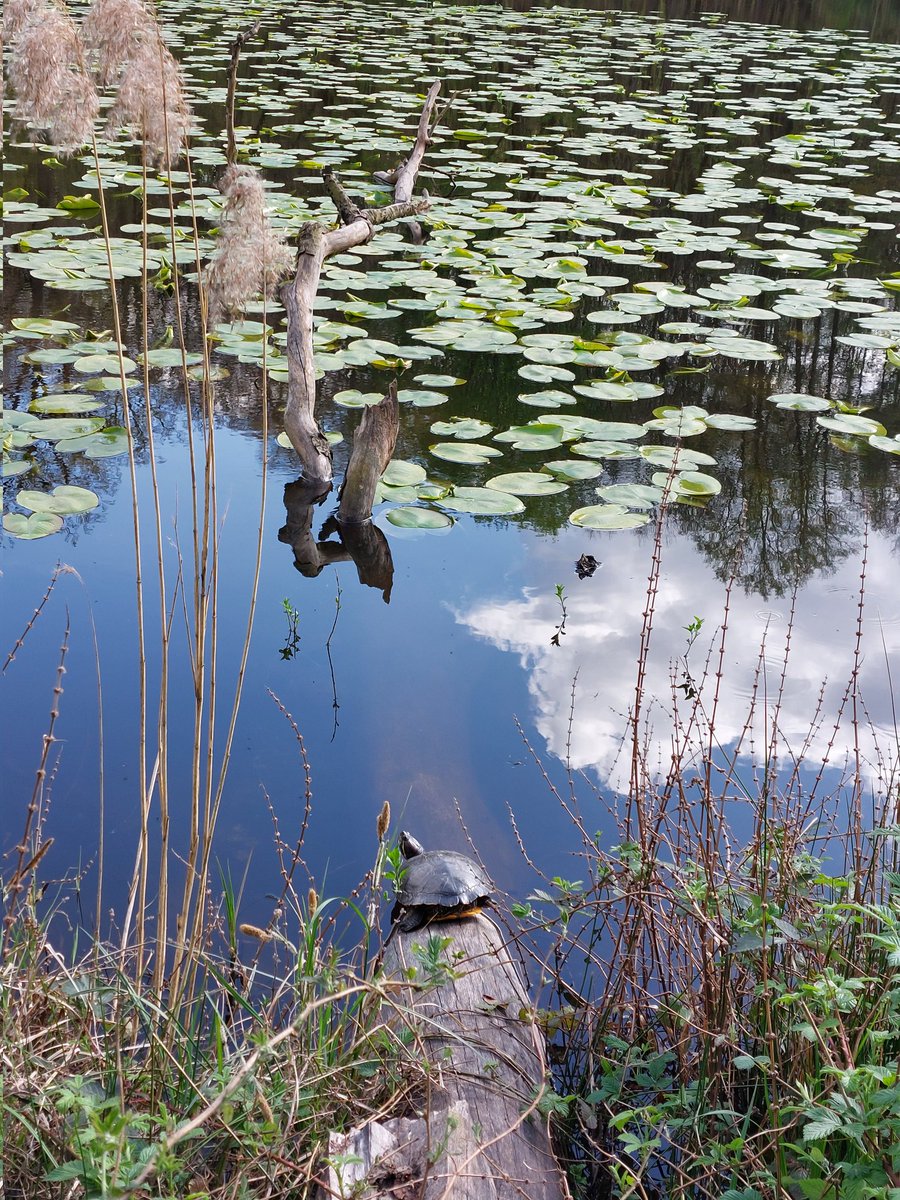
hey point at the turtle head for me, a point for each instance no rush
(409, 846)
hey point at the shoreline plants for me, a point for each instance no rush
(722, 987)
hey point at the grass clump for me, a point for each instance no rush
(110, 1090)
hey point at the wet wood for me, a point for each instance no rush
(478, 1134)
(373, 445)
(316, 243)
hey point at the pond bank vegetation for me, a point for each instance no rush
(720, 991)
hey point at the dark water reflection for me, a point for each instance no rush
(415, 700)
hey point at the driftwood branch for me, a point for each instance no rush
(373, 445)
(236, 47)
(406, 176)
(316, 244)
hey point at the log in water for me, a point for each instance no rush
(477, 1132)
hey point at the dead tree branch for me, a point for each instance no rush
(236, 47)
(316, 243)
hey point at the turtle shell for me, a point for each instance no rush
(442, 879)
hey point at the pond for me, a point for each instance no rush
(651, 226)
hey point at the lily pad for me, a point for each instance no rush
(64, 402)
(684, 457)
(107, 443)
(733, 422)
(36, 525)
(537, 435)
(482, 502)
(526, 483)
(418, 518)
(632, 495)
(689, 483)
(607, 517)
(464, 428)
(439, 381)
(800, 402)
(11, 467)
(65, 498)
(100, 364)
(471, 453)
(421, 397)
(353, 398)
(400, 473)
(852, 426)
(573, 468)
(57, 428)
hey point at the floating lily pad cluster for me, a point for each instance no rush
(619, 203)
(595, 440)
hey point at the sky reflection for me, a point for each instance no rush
(604, 618)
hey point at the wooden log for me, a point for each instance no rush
(373, 445)
(480, 1135)
(316, 243)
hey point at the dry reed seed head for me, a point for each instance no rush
(115, 30)
(250, 256)
(151, 103)
(16, 15)
(384, 820)
(47, 73)
(312, 901)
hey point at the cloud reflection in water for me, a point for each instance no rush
(604, 617)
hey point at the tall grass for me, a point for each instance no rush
(725, 996)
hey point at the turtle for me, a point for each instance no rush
(437, 885)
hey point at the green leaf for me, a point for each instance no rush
(37, 525)
(78, 204)
(105, 444)
(353, 398)
(56, 428)
(632, 495)
(526, 483)
(471, 453)
(731, 422)
(65, 498)
(537, 435)
(607, 517)
(421, 397)
(464, 428)
(418, 518)
(689, 483)
(573, 468)
(800, 402)
(399, 473)
(825, 1124)
(851, 426)
(64, 402)
(482, 502)
(97, 364)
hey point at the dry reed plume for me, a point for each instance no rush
(151, 102)
(16, 15)
(251, 256)
(115, 30)
(54, 91)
